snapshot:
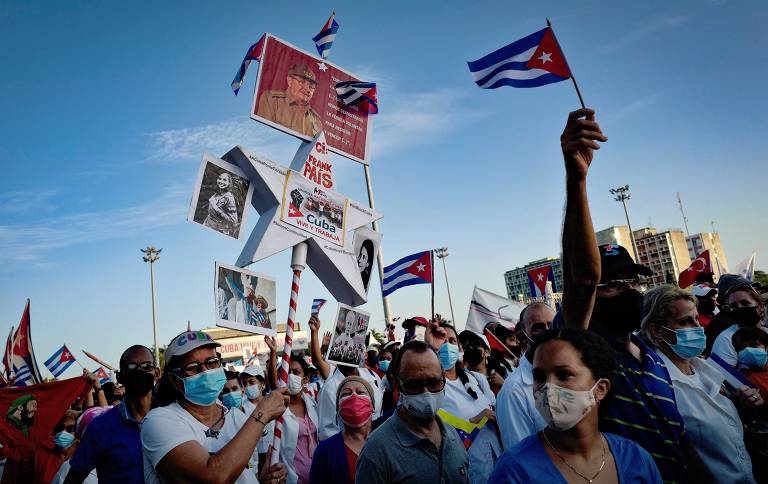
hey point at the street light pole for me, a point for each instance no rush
(621, 194)
(151, 255)
(442, 253)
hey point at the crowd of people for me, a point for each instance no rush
(618, 384)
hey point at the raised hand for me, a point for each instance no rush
(314, 323)
(579, 140)
(271, 343)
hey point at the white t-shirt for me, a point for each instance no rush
(267, 435)
(166, 428)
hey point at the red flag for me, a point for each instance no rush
(495, 343)
(549, 56)
(23, 354)
(700, 264)
(7, 354)
(28, 414)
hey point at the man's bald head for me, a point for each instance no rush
(536, 318)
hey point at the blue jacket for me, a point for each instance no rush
(329, 462)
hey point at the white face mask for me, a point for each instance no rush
(252, 392)
(563, 408)
(423, 405)
(294, 384)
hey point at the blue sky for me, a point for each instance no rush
(108, 107)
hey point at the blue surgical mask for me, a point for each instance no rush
(205, 387)
(753, 358)
(449, 355)
(252, 392)
(63, 439)
(690, 342)
(384, 365)
(232, 399)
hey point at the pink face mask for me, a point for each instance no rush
(355, 410)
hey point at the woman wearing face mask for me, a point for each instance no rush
(47, 461)
(571, 371)
(712, 422)
(232, 395)
(191, 437)
(468, 401)
(478, 359)
(747, 310)
(299, 425)
(82, 423)
(252, 379)
(751, 344)
(335, 458)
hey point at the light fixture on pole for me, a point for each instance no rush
(621, 194)
(151, 255)
(442, 253)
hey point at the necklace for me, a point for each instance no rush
(554, 449)
(215, 433)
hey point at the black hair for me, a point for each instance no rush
(461, 372)
(301, 361)
(744, 337)
(165, 393)
(232, 375)
(133, 349)
(596, 353)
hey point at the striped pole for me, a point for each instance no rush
(298, 261)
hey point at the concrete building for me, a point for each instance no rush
(666, 253)
(617, 235)
(516, 280)
(698, 243)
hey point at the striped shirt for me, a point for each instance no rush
(642, 407)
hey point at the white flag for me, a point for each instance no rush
(746, 268)
(488, 307)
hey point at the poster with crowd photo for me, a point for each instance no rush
(222, 194)
(296, 93)
(366, 246)
(245, 300)
(308, 207)
(347, 345)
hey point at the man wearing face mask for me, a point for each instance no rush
(112, 445)
(414, 445)
(516, 412)
(600, 294)
(192, 438)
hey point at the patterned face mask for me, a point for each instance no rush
(563, 408)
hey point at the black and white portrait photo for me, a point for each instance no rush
(366, 246)
(222, 193)
(245, 300)
(347, 346)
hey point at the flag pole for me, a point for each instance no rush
(432, 269)
(573, 79)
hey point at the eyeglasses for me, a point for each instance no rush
(413, 387)
(617, 283)
(195, 367)
(305, 82)
(146, 366)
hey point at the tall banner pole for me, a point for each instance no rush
(298, 263)
(380, 255)
(432, 269)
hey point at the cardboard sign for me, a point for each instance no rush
(245, 300)
(312, 209)
(312, 161)
(366, 246)
(347, 346)
(296, 93)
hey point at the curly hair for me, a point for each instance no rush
(596, 353)
(656, 305)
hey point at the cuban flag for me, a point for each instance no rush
(410, 270)
(102, 375)
(324, 40)
(359, 94)
(532, 61)
(537, 280)
(60, 361)
(317, 305)
(22, 357)
(254, 53)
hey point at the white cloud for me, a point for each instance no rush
(34, 242)
(27, 201)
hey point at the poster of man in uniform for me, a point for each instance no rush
(296, 93)
(310, 208)
(347, 346)
(222, 193)
(245, 300)
(366, 246)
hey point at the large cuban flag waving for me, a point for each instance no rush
(532, 61)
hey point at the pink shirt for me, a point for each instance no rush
(305, 448)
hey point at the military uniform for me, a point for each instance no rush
(277, 107)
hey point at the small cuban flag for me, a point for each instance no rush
(532, 61)
(359, 94)
(317, 305)
(324, 40)
(102, 375)
(253, 53)
(60, 361)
